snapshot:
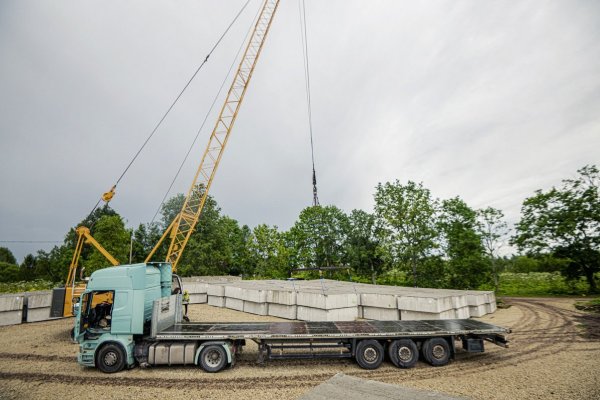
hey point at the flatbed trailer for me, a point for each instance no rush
(215, 345)
(139, 322)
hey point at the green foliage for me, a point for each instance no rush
(538, 284)
(565, 222)
(26, 286)
(110, 232)
(405, 215)
(318, 238)
(467, 266)
(7, 256)
(269, 253)
(363, 245)
(494, 231)
(9, 272)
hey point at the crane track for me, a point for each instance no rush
(542, 330)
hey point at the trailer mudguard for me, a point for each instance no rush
(226, 346)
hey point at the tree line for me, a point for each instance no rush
(409, 238)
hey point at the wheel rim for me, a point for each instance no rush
(110, 358)
(213, 358)
(438, 351)
(370, 355)
(405, 354)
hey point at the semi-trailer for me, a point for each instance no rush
(139, 322)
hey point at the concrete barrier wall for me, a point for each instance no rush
(11, 309)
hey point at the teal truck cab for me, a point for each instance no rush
(132, 315)
(115, 312)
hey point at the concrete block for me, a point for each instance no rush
(491, 307)
(198, 298)
(286, 297)
(39, 299)
(217, 301)
(282, 311)
(256, 308)
(195, 287)
(38, 314)
(11, 302)
(327, 301)
(476, 299)
(381, 314)
(462, 313)
(10, 317)
(459, 301)
(379, 300)
(428, 303)
(234, 292)
(234, 304)
(334, 314)
(477, 311)
(216, 290)
(360, 312)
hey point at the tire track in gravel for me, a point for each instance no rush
(538, 329)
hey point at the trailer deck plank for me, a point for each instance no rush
(315, 330)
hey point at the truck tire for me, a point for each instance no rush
(110, 358)
(403, 353)
(436, 351)
(213, 358)
(369, 354)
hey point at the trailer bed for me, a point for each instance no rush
(329, 330)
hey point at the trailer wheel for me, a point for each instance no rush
(110, 358)
(403, 353)
(369, 354)
(213, 358)
(436, 351)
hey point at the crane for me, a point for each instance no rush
(182, 226)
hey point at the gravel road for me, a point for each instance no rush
(554, 354)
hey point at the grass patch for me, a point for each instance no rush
(539, 284)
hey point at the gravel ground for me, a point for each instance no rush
(554, 354)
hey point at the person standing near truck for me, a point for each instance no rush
(185, 301)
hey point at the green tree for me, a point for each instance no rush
(363, 244)
(565, 221)
(269, 253)
(7, 256)
(493, 230)
(318, 238)
(467, 266)
(406, 216)
(110, 232)
(9, 272)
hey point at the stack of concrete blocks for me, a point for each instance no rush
(197, 287)
(326, 300)
(11, 309)
(38, 305)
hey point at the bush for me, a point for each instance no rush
(539, 284)
(26, 286)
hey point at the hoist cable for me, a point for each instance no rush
(177, 99)
(205, 119)
(302, 8)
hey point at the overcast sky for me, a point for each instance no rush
(488, 100)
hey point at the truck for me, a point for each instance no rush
(139, 322)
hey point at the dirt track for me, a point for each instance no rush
(552, 355)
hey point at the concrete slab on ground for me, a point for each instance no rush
(344, 387)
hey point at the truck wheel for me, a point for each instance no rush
(369, 354)
(436, 351)
(403, 353)
(110, 358)
(213, 358)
